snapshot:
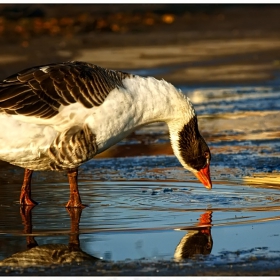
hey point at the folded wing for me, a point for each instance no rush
(40, 91)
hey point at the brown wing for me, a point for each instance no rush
(41, 90)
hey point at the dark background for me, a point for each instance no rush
(38, 31)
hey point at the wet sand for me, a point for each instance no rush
(260, 267)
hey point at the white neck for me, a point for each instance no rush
(141, 101)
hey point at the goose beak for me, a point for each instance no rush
(203, 176)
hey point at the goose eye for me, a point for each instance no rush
(207, 156)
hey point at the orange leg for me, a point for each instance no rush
(75, 200)
(25, 195)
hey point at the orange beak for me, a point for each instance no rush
(204, 177)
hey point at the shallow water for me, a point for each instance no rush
(143, 205)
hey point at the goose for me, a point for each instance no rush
(60, 115)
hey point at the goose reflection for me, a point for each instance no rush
(197, 241)
(39, 255)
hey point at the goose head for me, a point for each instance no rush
(191, 149)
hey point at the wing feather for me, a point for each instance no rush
(13, 91)
(41, 90)
(14, 100)
(41, 110)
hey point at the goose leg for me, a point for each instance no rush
(25, 195)
(75, 200)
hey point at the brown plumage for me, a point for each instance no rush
(40, 91)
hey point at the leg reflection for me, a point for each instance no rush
(49, 253)
(26, 217)
(75, 215)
